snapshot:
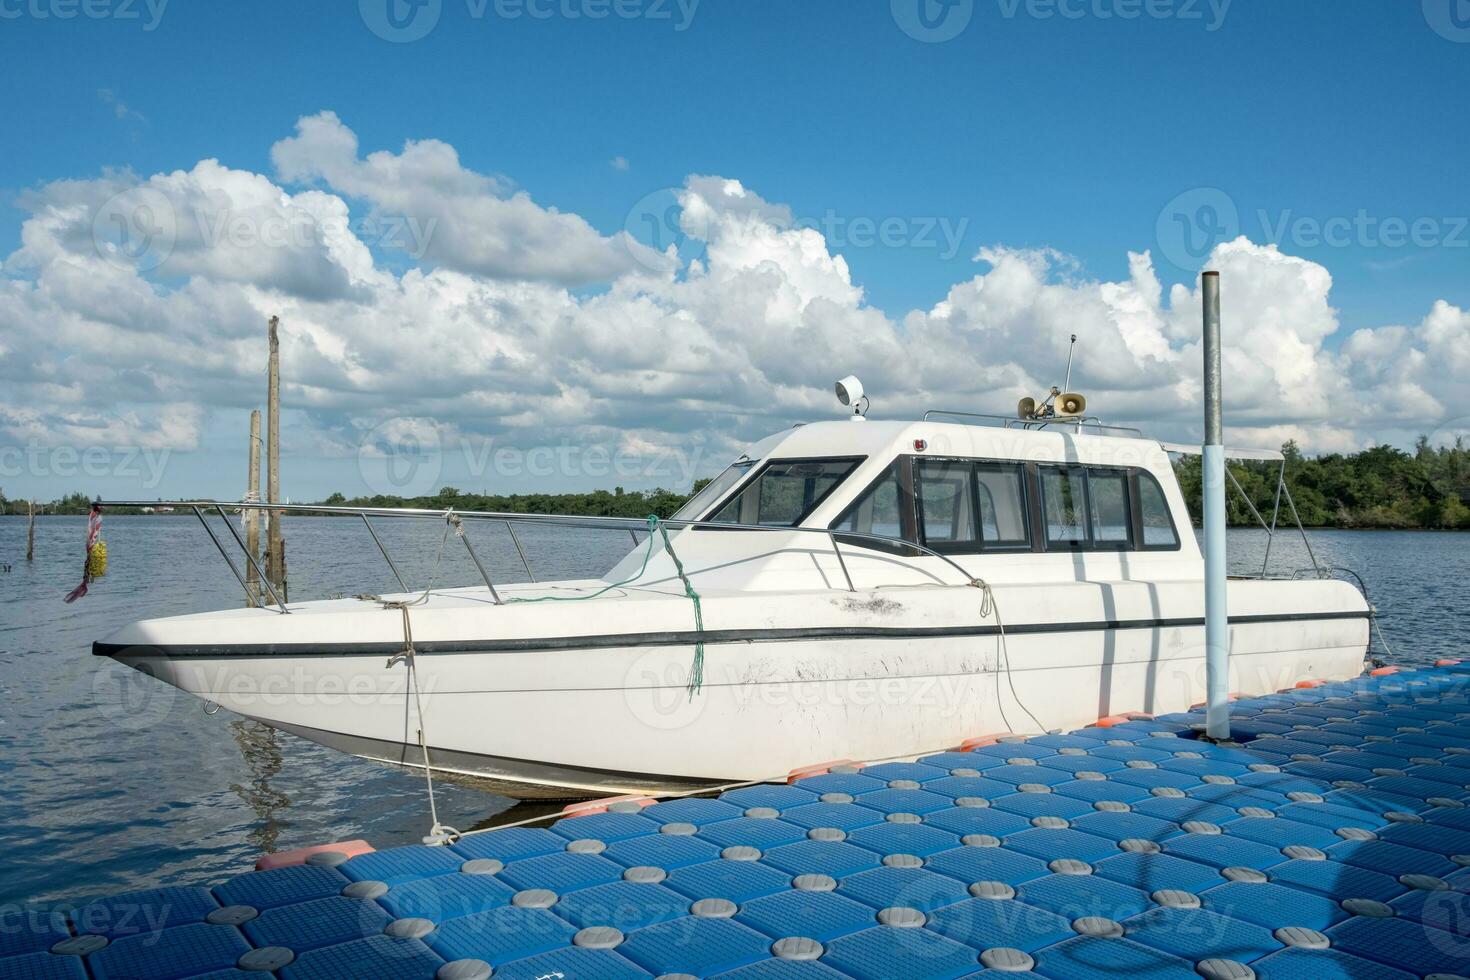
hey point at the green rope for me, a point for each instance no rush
(655, 526)
(696, 672)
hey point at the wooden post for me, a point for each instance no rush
(252, 517)
(30, 530)
(276, 546)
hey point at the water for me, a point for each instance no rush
(111, 781)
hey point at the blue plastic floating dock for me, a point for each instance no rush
(1335, 843)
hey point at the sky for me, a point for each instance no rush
(540, 245)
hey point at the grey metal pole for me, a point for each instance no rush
(275, 566)
(1217, 617)
(251, 517)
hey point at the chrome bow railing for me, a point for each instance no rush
(630, 525)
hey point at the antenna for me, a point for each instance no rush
(1059, 403)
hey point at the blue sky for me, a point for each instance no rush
(1066, 125)
(1067, 133)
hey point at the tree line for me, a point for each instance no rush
(1380, 487)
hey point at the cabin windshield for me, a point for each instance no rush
(785, 492)
(713, 490)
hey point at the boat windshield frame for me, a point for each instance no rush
(716, 489)
(853, 462)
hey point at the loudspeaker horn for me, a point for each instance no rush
(1071, 403)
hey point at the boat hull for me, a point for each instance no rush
(867, 676)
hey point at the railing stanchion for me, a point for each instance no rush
(222, 553)
(386, 557)
(1246, 497)
(1275, 515)
(838, 552)
(1298, 518)
(476, 559)
(519, 550)
(270, 587)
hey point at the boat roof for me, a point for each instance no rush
(889, 439)
(1056, 442)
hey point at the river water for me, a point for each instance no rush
(111, 781)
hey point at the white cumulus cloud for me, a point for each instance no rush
(114, 338)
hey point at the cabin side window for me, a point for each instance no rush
(971, 506)
(946, 499)
(1003, 520)
(1156, 520)
(1086, 507)
(1064, 505)
(975, 506)
(784, 492)
(879, 511)
(1112, 517)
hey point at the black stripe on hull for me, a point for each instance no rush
(521, 779)
(680, 638)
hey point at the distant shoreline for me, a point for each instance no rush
(1381, 488)
(1281, 529)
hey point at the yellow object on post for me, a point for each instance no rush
(97, 560)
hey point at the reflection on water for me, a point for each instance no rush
(260, 749)
(110, 780)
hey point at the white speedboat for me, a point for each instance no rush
(872, 590)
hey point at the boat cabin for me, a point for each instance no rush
(1047, 503)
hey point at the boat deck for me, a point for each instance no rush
(1335, 842)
